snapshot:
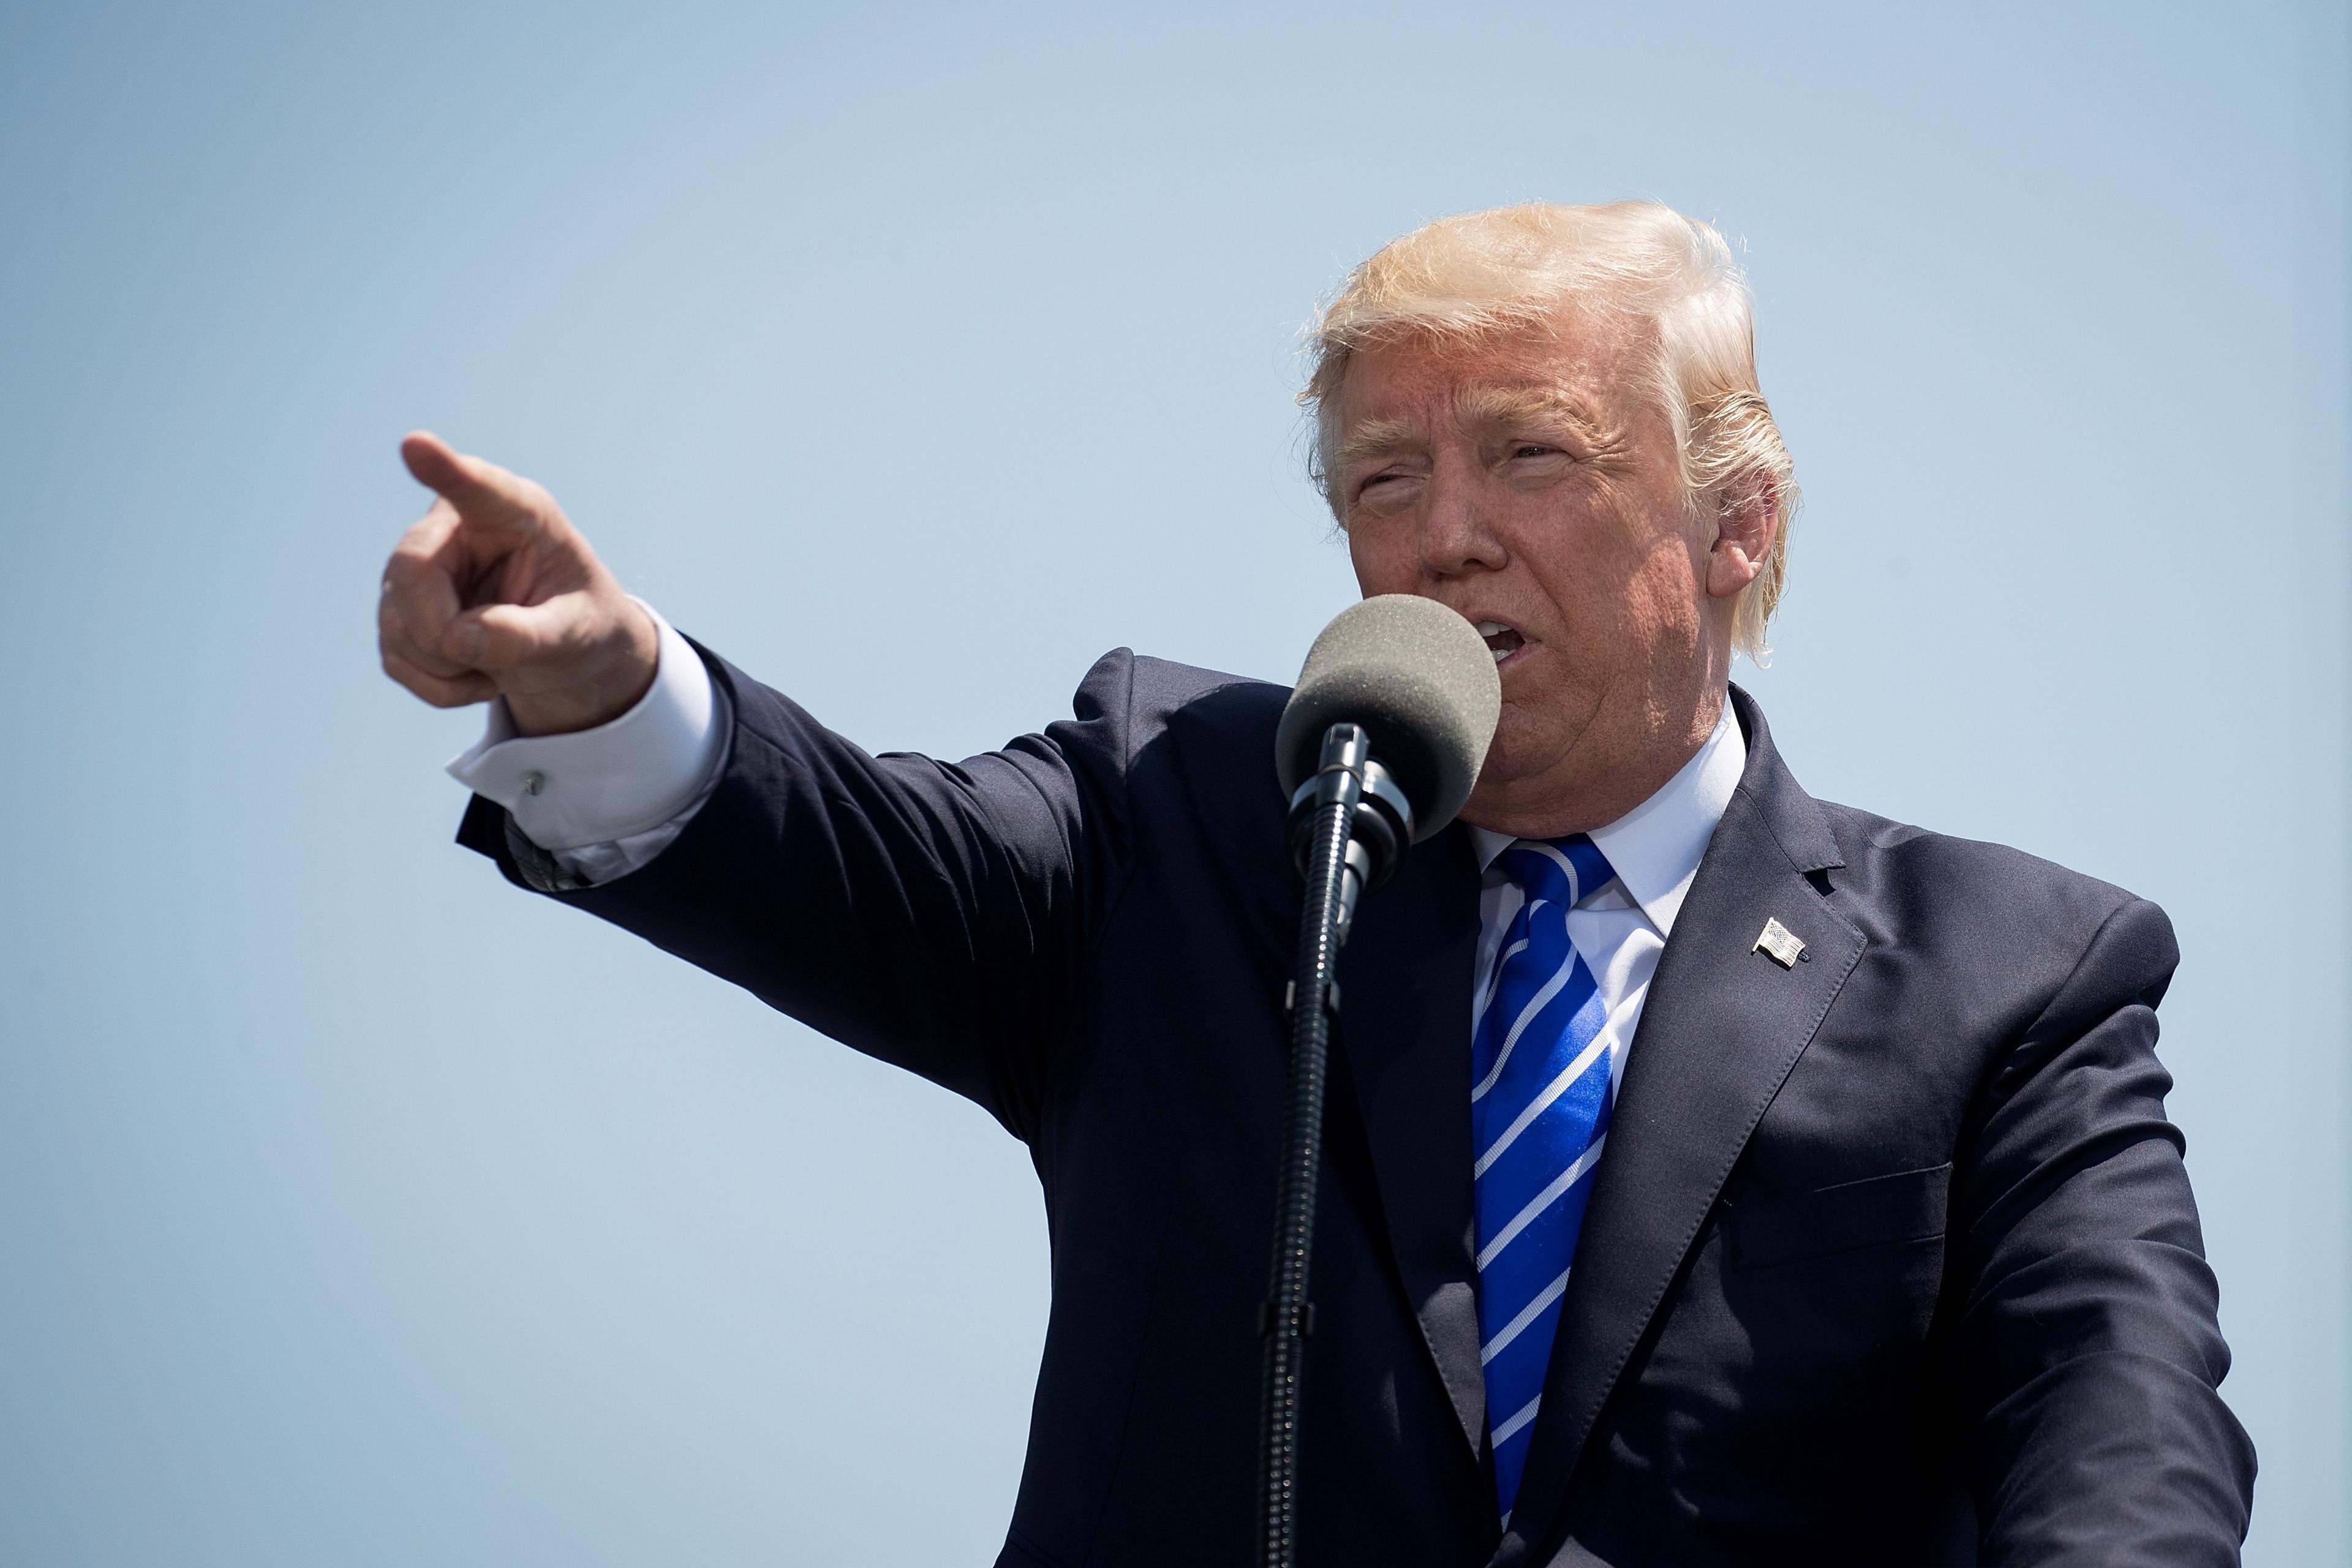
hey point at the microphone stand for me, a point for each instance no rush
(1350, 826)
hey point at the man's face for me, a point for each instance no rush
(1530, 482)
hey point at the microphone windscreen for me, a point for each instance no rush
(1422, 682)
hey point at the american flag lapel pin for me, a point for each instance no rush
(1780, 943)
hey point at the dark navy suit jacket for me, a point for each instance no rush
(1892, 1261)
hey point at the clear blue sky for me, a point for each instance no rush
(356, 1209)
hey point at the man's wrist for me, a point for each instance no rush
(613, 680)
(627, 776)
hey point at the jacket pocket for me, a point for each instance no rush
(1877, 1210)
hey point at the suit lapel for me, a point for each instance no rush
(1404, 1023)
(1720, 1029)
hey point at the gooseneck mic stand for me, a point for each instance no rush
(1350, 825)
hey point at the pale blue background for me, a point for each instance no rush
(356, 1209)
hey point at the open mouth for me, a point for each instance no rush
(1502, 641)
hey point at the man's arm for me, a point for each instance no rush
(2088, 1353)
(934, 915)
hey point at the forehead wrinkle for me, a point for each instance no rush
(1487, 405)
(1476, 407)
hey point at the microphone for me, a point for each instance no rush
(1418, 684)
(1378, 748)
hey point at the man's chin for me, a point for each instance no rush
(1516, 758)
(1526, 787)
(1501, 796)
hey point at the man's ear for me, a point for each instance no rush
(1747, 522)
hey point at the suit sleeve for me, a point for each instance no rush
(935, 915)
(2088, 1351)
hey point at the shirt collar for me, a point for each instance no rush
(1655, 847)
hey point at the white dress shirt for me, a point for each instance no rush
(1622, 926)
(604, 802)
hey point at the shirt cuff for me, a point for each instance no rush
(624, 779)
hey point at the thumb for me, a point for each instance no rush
(500, 636)
(479, 490)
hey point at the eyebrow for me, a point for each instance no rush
(1473, 407)
(1377, 437)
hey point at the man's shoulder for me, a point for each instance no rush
(1143, 684)
(1188, 752)
(1908, 850)
(1972, 897)
(1140, 698)
(1915, 880)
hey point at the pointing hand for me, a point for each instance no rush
(495, 593)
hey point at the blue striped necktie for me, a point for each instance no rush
(1538, 1111)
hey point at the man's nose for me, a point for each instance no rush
(1454, 535)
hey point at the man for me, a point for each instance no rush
(1714, 1175)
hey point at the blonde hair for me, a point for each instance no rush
(1512, 268)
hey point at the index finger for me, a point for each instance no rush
(482, 490)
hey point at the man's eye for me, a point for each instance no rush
(1529, 449)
